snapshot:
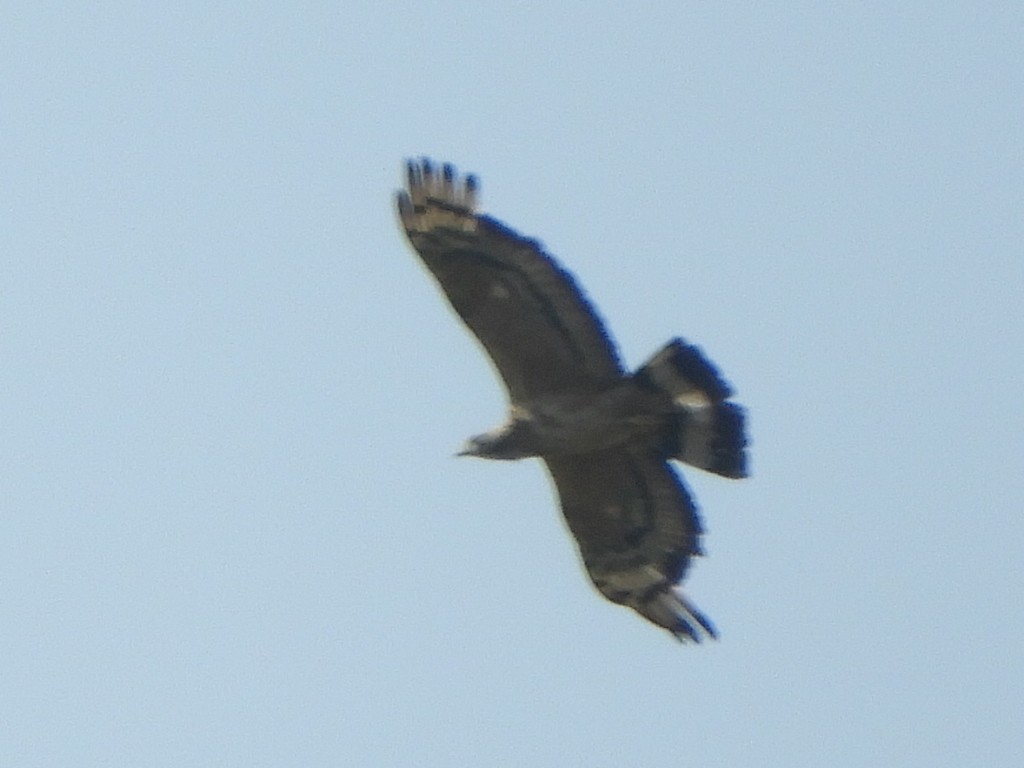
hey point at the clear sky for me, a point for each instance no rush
(232, 532)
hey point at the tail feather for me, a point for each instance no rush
(682, 371)
(713, 439)
(708, 431)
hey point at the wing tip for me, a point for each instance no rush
(406, 209)
(671, 610)
(437, 197)
(665, 606)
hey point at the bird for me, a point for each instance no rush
(606, 435)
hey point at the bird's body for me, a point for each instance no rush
(573, 423)
(605, 434)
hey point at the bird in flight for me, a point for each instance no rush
(606, 435)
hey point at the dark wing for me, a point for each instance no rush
(528, 313)
(636, 528)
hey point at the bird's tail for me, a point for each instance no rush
(707, 430)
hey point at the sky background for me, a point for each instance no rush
(232, 532)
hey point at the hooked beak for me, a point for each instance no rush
(469, 449)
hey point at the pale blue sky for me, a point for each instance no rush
(232, 532)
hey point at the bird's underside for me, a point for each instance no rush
(604, 434)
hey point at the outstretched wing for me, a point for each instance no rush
(637, 528)
(536, 325)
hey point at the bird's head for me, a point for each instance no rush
(503, 443)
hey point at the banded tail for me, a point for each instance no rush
(709, 431)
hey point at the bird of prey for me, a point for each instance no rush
(606, 435)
